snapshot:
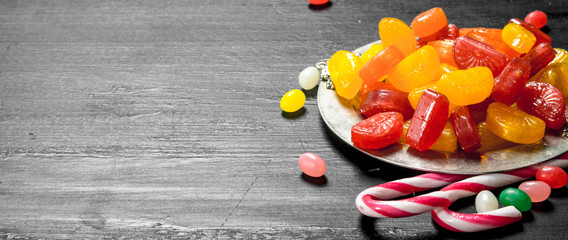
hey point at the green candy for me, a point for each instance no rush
(517, 198)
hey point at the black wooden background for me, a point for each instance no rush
(161, 119)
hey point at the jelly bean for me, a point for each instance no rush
(385, 100)
(465, 128)
(418, 69)
(513, 124)
(312, 164)
(538, 191)
(395, 32)
(555, 74)
(378, 67)
(539, 35)
(429, 22)
(344, 69)
(428, 120)
(318, 2)
(370, 53)
(544, 101)
(469, 53)
(518, 37)
(537, 18)
(517, 198)
(486, 201)
(292, 101)
(555, 177)
(561, 56)
(492, 37)
(309, 78)
(465, 87)
(378, 131)
(539, 56)
(511, 81)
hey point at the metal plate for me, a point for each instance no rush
(340, 115)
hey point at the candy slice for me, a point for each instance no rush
(511, 81)
(370, 53)
(449, 32)
(518, 37)
(445, 50)
(366, 89)
(395, 32)
(378, 67)
(539, 35)
(545, 102)
(428, 120)
(539, 56)
(447, 142)
(344, 69)
(418, 69)
(561, 56)
(492, 37)
(465, 128)
(465, 87)
(385, 100)
(470, 53)
(555, 74)
(378, 131)
(490, 141)
(513, 124)
(429, 22)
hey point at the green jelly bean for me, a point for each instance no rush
(517, 198)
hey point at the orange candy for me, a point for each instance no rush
(514, 125)
(379, 66)
(466, 87)
(343, 69)
(492, 37)
(429, 22)
(445, 50)
(395, 32)
(418, 69)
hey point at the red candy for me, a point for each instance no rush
(545, 102)
(378, 131)
(539, 56)
(555, 177)
(465, 128)
(470, 53)
(428, 120)
(318, 2)
(386, 100)
(537, 18)
(511, 81)
(450, 32)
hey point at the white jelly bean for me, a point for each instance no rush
(309, 78)
(486, 201)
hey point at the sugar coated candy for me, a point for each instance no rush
(292, 101)
(312, 164)
(309, 78)
(486, 201)
(538, 191)
(555, 177)
(517, 198)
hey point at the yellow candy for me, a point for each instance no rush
(561, 56)
(292, 101)
(448, 141)
(490, 141)
(518, 37)
(446, 68)
(370, 53)
(343, 69)
(420, 68)
(395, 32)
(466, 87)
(513, 124)
(555, 74)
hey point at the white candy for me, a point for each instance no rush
(485, 201)
(309, 78)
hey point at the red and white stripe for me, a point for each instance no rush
(463, 222)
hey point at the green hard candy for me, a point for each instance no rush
(517, 198)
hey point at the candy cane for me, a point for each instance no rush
(371, 202)
(463, 222)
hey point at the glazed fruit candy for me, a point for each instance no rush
(378, 67)
(561, 56)
(415, 94)
(447, 141)
(555, 74)
(418, 69)
(511, 81)
(513, 124)
(395, 32)
(465, 87)
(539, 56)
(518, 37)
(429, 22)
(545, 102)
(344, 69)
(386, 100)
(378, 131)
(470, 53)
(490, 141)
(555, 177)
(465, 128)
(370, 53)
(428, 120)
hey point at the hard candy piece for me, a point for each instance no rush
(539, 57)
(486, 201)
(292, 101)
(470, 53)
(428, 120)
(429, 22)
(376, 69)
(312, 164)
(420, 68)
(513, 124)
(465, 128)
(511, 81)
(538, 191)
(378, 131)
(386, 100)
(545, 101)
(466, 87)
(343, 67)
(309, 78)
(517, 198)
(395, 32)
(555, 177)
(518, 37)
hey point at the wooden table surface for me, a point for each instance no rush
(161, 119)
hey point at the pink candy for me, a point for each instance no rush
(312, 165)
(538, 191)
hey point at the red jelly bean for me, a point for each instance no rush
(511, 81)
(544, 101)
(555, 177)
(428, 120)
(318, 2)
(465, 128)
(539, 56)
(312, 164)
(537, 18)
(386, 100)
(470, 53)
(540, 35)
(378, 131)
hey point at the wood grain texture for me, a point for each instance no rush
(160, 119)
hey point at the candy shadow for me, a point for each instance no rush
(320, 7)
(312, 93)
(367, 226)
(317, 181)
(559, 192)
(294, 115)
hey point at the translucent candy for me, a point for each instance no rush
(370, 53)
(445, 50)
(518, 37)
(344, 69)
(492, 37)
(538, 191)
(537, 18)
(555, 177)
(465, 87)
(378, 131)
(429, 22)
(418, 69)
(544, 101)
(395, 32)
(312, 164)
(378, 67)
(292, 101)
(309, 78)
(486, 201)
(517, 198)
(513, 124)
(539, 35)
(539, 56)
(511, 81)
(447, 142)
(428, 120)
(555, 74)
(490, 141)
(449, 32)
(385, 100)
(561, 56)
(470, 53)
(465, 129)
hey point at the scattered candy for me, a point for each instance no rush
(538, 191)
(318, 2)
(517, 198)
(486, 201)
(309, 78)
(555, 177)
(292, 101)
(312, 164)
(537, 18)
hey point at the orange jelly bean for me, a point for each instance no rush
(395, 32)
(518, 37)
(418, 69)
(429, 22)
(465, 87)
(344, 69)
